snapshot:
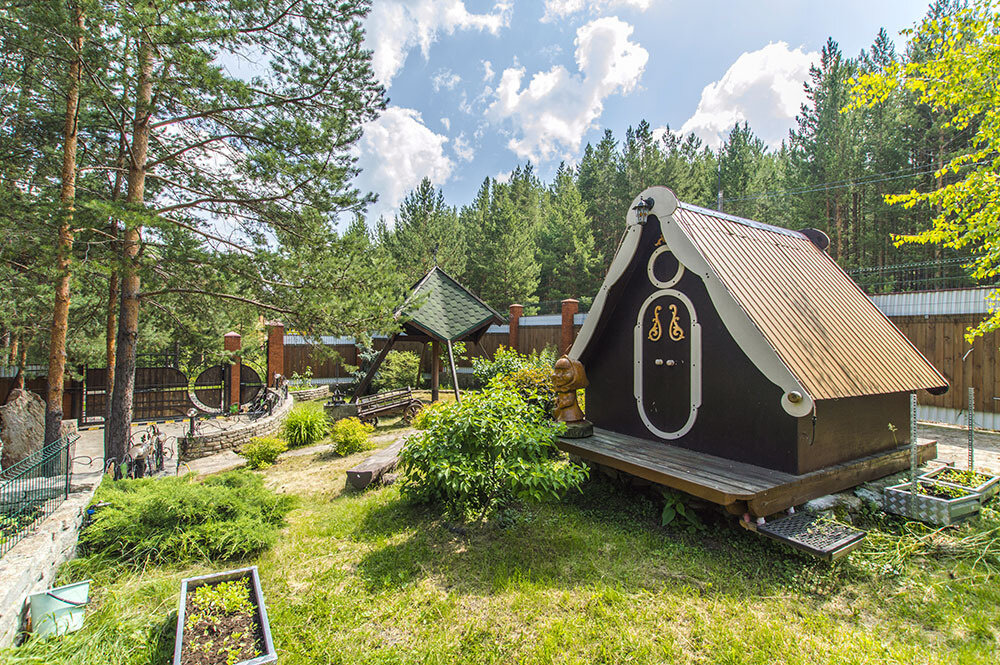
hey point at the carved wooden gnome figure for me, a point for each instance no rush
(568, 377)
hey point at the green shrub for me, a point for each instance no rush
(479, 455)
(350, 435)
(226, 517)
(262, 452)
(507, 361)
(422, 419)
(532, 383)
(398, 370)
(305, 425)
(301, 381)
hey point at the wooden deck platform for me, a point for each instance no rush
(738, 486)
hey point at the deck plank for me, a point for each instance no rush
(727, 482)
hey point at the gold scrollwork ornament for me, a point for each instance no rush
(676, 332)
(656, 331)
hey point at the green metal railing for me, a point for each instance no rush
(32, 489)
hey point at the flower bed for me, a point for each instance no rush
(222, 621)
(935, 503)
(974, 481)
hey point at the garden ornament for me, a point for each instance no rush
(568, 376)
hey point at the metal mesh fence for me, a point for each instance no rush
(32, 489)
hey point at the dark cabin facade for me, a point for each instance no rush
(746, 342)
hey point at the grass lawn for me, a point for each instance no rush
(364, 577)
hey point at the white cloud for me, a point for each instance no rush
(488, 72)
(763, 87)
(503, 176)
(557, 9)
(396, 152)
(556, 108)
(395, 27)
(445, 79)
(462, 149)
(446, 123)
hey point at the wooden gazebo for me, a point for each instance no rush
(438, 310)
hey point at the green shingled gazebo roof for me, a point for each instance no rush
(441, 307)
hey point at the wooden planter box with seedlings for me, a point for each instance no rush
(222, 621)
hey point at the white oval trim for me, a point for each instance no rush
(695, 360)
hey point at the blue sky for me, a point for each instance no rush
(477, 87)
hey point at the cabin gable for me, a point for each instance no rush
(729, 408)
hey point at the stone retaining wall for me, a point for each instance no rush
(312, 393)
(30, 566)
(203, 445)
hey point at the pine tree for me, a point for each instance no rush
(501, 265)
(567, 255)
(425, 233)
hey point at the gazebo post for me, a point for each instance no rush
(435, 369)
(454, 373)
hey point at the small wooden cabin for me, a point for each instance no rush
(736, 361)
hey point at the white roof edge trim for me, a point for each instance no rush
(663, 204)
(739, 324)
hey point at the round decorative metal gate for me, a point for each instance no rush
(250, 384)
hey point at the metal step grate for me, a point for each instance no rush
(813, 534)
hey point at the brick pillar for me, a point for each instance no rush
(275, 350)
(233, 342)
(570, 307)
(515, 319)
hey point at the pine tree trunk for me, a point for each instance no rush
(116, 442)
(111, 320)
(64, 248)
(22, 362)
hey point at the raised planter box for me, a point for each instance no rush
(263, 628)
(987, 489)
(931, 509)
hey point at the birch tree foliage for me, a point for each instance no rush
(959, 79)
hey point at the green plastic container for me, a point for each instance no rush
(60, 610)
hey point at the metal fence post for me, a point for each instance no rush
(913, 452)
(972, 425)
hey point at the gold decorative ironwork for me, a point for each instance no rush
(657, 330)
(659, 241)
(676, 332)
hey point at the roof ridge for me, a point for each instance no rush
(466, 289)
(754, 224)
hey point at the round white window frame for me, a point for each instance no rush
(652, 276)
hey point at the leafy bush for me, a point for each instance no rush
(532, 383)
(225, 517)
(479, 455)
(398, 370)
(262, 452)
(422, 419)
(350, 435)
(301, 381)
(507, 361)
(306, 424)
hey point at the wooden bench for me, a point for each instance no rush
(375, 467)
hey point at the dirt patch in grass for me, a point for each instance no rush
(318, 470)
